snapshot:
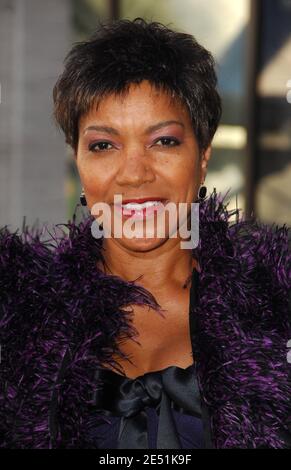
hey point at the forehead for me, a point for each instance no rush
(140, 103)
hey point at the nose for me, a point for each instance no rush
(135, 169)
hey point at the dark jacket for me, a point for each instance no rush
(60, 317)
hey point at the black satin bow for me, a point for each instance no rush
(172, 387)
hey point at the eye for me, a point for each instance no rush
(99, 146)
(168, 141)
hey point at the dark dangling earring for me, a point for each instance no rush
(83, 199)
(202, 192)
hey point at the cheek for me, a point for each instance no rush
(186, 181)
(88, 166)
(95, 179)
(185, 175)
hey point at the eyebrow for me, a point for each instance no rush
(154, 127)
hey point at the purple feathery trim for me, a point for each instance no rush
(55, 303)
(60, 317)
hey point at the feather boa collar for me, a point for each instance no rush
(60, 317)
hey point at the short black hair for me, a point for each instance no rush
(130, 51)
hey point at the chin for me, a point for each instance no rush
(142, 244)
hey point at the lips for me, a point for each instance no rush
(140, 208)
(141, 200)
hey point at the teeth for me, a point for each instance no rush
(135, 206)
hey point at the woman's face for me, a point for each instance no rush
(139, 146)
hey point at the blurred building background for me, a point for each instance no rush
(251, 42)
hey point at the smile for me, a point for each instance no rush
(140, 211)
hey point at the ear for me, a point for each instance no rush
(204, 161)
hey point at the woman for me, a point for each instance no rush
(121, 342)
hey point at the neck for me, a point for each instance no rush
(163, 268)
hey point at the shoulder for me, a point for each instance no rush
(24, 279)
(245, 248)
(265, 260)
(266, 247)
(244, 328)
(32, 342)
(54, 330)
